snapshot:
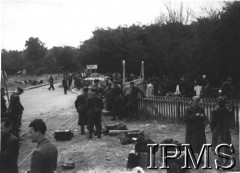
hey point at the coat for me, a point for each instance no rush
(9, 154)
(220, 124)
(15, 107)
(195, 128)
(80, 105)
(44, 157)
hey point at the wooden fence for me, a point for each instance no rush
(173, 108)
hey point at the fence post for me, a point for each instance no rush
(178, 110)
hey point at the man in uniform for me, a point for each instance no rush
(15, 111)
(94, 108)
(80, 105)
(44, 157)
(64, 84)
(117, 97)
(195, 119)
(221, 123)
(107, 96)
(133, 100)
(9, 149)
(51, 83)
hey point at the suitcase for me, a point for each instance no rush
(63, 135)
(132, 160)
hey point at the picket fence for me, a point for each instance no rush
(173, 108)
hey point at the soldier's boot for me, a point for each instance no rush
(82, 130)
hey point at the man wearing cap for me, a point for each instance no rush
(94, 108)
(195, 125)
(80, 105)
(15, 111)
(133, 100)
(220, 124)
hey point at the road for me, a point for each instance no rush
(41, 101)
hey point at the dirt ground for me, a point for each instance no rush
(108, 155)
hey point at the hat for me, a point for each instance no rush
(85, 89)
(20, 89)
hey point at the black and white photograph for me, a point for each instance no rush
(120, 86)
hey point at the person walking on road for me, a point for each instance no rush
(65, 84)
(80, 105)
(9, 149)
(94, 108)
(15, 110)
(44, 157)
(51, 83)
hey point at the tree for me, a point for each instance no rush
(35, 52)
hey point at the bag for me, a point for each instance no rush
(63, 135)
(133, 160)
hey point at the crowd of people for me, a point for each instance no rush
(89, 106)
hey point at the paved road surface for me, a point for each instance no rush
(41, 101)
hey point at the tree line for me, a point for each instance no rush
(209, 45)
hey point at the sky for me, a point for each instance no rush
(70, 22)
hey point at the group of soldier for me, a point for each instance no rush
(90, 103)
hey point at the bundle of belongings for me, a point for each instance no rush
(174, 164)
(140, 156)
(68, 164)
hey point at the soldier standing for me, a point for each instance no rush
(51, 83)
(80, 105)
(117, 97)
(15, 111)
(221, 123)
(107, 96)
(133, 100)
(94, 108)
(64, 84)
(195, 119)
